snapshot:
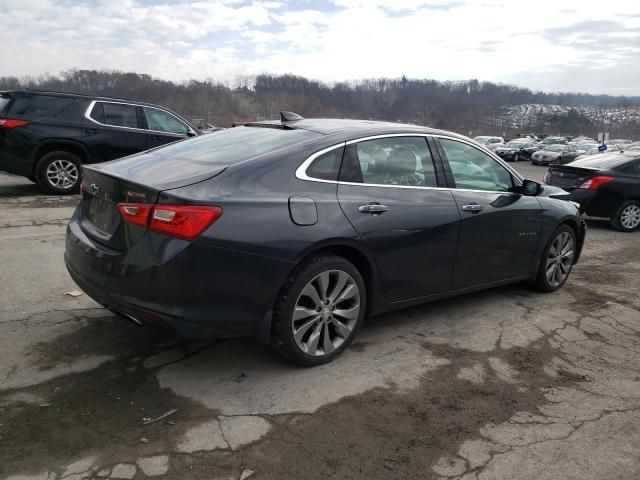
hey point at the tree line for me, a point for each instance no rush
(461, 106)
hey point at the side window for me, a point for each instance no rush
(39, 105)
(120, 115)
(326, 166)
(392, 161)
(163, 122)
(473, 169)
(97, 112)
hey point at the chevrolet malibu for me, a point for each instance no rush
(295, 231)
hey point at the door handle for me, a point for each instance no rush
(472, 207)
(373, 208)
(91, 131)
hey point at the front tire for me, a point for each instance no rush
(319, 311)
(557, 260)
(59, 173)
(627, 217)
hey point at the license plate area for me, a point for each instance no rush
(103, 215)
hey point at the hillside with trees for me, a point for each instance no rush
(463, 106)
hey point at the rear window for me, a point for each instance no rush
(233, 145)
(39, 105)
(605, 161)
(4, 101)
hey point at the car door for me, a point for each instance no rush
(113, 130)
(164, 127)
(389, 189)
(569, 154)
(499, 229)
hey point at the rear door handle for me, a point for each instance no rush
(472, 207)
(373, 208)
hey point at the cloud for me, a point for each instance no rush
(538, 44)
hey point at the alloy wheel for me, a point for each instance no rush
(560, 259)
(62, 174)
(326, 312)
(630, 217)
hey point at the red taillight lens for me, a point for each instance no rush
(12, 123)
(595, 183)
(135, 213)
(181, 221)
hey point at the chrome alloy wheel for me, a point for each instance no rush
(560, 259)
(326, 312)
(630, 217)
(62, 174)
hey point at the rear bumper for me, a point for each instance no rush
(199, 291)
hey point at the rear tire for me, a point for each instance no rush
(319, 310)
(556, 261)
(59, 173)
(627, 217)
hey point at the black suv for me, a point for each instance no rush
(47, 136)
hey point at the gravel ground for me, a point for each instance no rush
(502, 384)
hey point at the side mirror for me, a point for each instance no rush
(191, 133)
(529, 188)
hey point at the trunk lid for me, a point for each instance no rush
(567, 177)
(99, 215)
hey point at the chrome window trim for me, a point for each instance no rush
(301, 171)
(87, 115)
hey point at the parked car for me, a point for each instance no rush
(606, 185)
(48, 136)
(293, 231)
(554, 154)
(551, 141)
(489, 142)
(515, 151)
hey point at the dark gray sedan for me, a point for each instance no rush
(294, 231)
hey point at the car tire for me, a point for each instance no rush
(59, 172)
(308, 330)
(555, 267)
(627, 217)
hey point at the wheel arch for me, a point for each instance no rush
(55, 145)
(347, 249)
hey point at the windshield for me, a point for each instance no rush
(513, 145)
(233, 145)
(482, 140)
(551, 140)
(554, 148)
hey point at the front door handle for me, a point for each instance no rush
(373, 208)
(472, 207)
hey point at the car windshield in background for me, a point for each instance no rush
(481, 140)
(513, 145)
(551, 140)
(555, 148)
(233, 145)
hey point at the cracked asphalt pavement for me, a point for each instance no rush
(503, 384)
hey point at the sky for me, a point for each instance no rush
(551, 45)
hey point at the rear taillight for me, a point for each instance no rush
(12, 123)
(181, 221)
(595, 183)
(135, 213)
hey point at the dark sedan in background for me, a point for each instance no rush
(516, 150)
(605, 185)
(293, 231)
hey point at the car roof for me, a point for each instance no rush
(607, 160)
(331, 126)
(78, 95)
